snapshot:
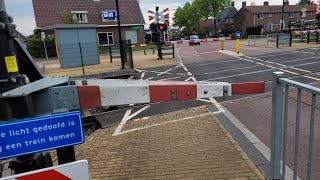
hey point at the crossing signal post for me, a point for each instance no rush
(158, 28)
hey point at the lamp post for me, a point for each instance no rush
(120, 37)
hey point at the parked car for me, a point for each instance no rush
(192, 38)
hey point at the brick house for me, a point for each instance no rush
(269, 16)
(49, 12)
(224, 19)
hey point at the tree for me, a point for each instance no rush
(183, 18)
(212, 8)
(68, 18)
(303, 2)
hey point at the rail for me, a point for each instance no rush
(280, 132)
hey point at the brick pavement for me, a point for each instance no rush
(183, 145)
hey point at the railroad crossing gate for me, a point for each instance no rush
(78, 170)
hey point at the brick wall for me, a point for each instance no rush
(245, 18)
(275, 20)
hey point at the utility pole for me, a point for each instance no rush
(120, 37)
(159, 34)
(282, 16)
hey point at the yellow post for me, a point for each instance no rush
(238, 45)
(222, 45)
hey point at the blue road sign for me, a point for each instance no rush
(40, 134)
(238, 34)
(109, 15)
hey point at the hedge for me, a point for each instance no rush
(256, 30)
(36, 48)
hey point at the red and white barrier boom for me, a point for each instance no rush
(305, 32)
(60, 93)
(197, 40)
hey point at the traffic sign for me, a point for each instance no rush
(78, 170)
(136, 27)
(238, 34)
(40, 134)
(304, 10)
(109, 15)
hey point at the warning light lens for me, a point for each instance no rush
(161, 27)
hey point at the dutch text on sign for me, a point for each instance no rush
(40, 134)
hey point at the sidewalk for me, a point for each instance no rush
(141, 61)
(190, 144)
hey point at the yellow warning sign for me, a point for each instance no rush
(304, 10)
(11, 63)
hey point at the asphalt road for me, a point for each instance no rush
(208, 63)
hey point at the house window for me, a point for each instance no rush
(260, 16)
(270, 26)
(105, 38)
(291, 15)
(229, 20)
(270, 15)
(81, 16)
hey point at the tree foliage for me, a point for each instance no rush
(189, 16)
(303, 2)
(68, 18)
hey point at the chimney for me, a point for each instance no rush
(286, 3)
(244, 4)
(232, 4)
(266, 3)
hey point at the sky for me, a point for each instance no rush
(22, 10)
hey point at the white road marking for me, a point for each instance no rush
(150, 78)
(131, 77)
(185, 69)
(169, 78)
(142, 75)
(254, 72)
(165, 72)
(242, 74)
(218, 105)
(126, 118)
(281, 53)
(188, 79)
(160, 124)
(194, 50)
(248, 67)
(189, 73)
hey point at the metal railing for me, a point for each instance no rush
(280, 133)
(257, 40)
(284, 39)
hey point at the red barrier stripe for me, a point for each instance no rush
(228, 38)
(47, 175)
(161, 93)
(248, 88)
(89, 96)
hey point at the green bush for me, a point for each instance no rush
(36, 48)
